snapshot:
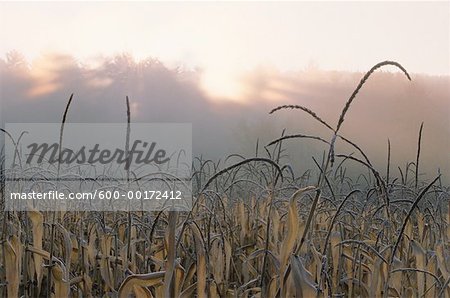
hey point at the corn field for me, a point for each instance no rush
(256, 230)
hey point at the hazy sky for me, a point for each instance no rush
(225, 40)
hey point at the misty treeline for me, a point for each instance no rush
(388, 107)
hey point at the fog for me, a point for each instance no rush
(388, 107)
